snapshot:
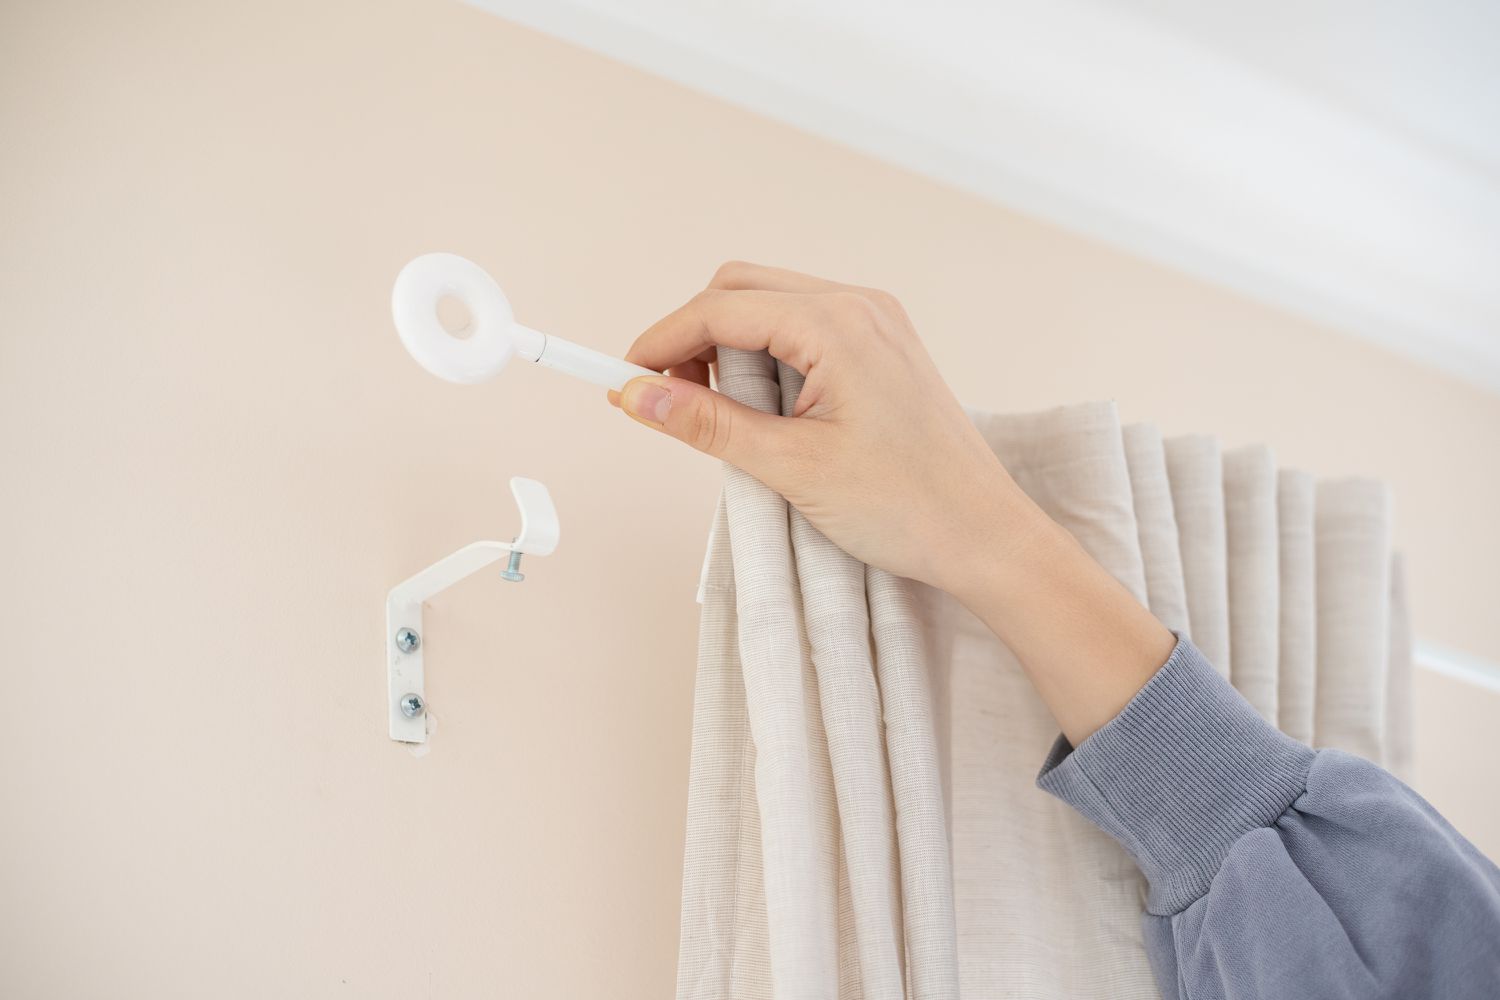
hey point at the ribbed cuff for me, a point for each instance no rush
(1185, 770)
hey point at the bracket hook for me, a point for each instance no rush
(406, 696)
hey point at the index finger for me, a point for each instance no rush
(743, 275)
(784, 323)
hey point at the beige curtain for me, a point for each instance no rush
(862, 814)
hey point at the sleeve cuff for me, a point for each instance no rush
(1184, 771)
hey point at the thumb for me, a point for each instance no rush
(708, 421)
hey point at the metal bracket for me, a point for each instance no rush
(406, 695)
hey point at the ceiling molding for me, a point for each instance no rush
(1108, 123)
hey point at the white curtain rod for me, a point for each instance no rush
(1460, 666)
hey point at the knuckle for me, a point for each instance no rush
(702, 303)
(885, 301)
(710, 296)
(730, 274)
(883, 313)
(849, 301)
(854, 307)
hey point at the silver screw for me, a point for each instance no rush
(407, 640)
(412, 705)
(512, 571)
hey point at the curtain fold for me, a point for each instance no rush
(1195, 468)
(862, 814)
(1252, 554)
(1156, 524)
(1047, 905)
(831, 876)
(1353, 571)
(1297, 650)
(1398, 708)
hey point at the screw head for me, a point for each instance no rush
(512, 570)
(412, 705)
(407, 641)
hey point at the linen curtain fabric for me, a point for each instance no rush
(862, 814)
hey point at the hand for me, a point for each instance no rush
(880, 457)
(878, 454)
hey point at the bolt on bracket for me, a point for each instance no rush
(406, 696)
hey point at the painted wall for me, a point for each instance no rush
(218, 458)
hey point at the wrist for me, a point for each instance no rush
(1085, 642)
(1004, 533)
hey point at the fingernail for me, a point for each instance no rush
(647, 400)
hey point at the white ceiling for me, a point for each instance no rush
(1338, 158)
(1429, 69)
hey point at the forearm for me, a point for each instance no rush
(1087, 645)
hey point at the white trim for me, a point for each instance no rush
(1459, 666)
(1107, 123)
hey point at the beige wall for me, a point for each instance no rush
(217, 458)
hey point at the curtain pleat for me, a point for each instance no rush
(1253, 554)
(1354, 592)
(1156, 525)
(863, 819)
(1297, 568)
(1014, 846)
(798, 841)
(837, 623)
(921, 812)
(725, 948)
(1195, 469)
(1398, 707)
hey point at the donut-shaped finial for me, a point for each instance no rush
(414, 301)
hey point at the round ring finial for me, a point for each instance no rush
(414, 302)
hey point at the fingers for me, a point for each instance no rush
(696, 370)
(693, 371)
(754, 307)
(763, 444)
(739, 275)
(787, 324)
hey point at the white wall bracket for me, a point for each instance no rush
(406, 696)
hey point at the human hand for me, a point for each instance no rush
(880, 457)
(878, 454)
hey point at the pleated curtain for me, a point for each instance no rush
(863, 819)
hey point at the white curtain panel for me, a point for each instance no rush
(1398, 709)
(1253, 561)
(862, 814)
(1296, 689)
(1156, 524)
(1195, 468)
(1353, 530)
(817, 860)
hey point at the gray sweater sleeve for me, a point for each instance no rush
(1276, 870)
